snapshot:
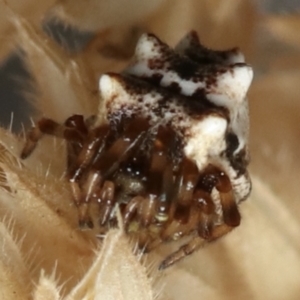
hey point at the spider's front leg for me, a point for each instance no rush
(43, 126)
(193, 245)
(91, 150)
(97, 171)
(152, 208)
(73, 130)
(206, 231)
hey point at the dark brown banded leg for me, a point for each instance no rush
(160, 178)
(154, 206)
(182, 252)
(109, 162)
(73, 130)
(205, 204)
(147, 210)
(155, 187)
(216, 178)
(84, 219)
(231, 214)
(186, 183)
(93, 147)
(193, 245)
(152, 210)
(131, 209)
(77, 122)
(185, 213)
(176, 229)
(43, 126)
(205, 226)
(206, 231)
(107, 201)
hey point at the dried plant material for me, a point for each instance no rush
(46, 288)
(115, 274)
(14, 275)
(29, 208)
(33, 10)
(63, 84)
(285, 27)
(100, 15)
(38, 204)
(7, 155)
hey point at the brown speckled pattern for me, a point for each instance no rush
(168, 148)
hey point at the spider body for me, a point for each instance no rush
(169, 147)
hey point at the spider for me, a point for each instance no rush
(170, 150)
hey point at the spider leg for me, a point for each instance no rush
(111, 159)
(138, 215)
(76, 122)
(186, 182)
(165, 199)
(172, 218)
(194, 244)
(231, 214)
(160, 176)
(153, 211)
(183, 217)
(131, 209)
(155, 185)
(208, 233)
(176, 229)
(43, 126)
(106, 164)
(93, 148)
(73, 130)
(107, 201)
